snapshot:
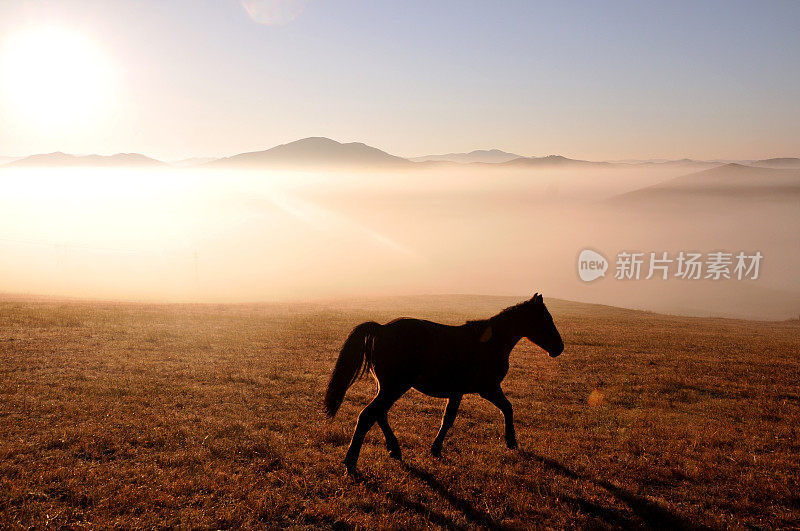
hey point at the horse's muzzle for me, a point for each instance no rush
(556, 351)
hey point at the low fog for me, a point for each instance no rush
(242, 235)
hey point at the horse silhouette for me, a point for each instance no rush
(439, 360)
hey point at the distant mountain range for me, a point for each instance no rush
(63, 159)
(316, 152)
(479, 155)
(320, 152)
(552, 161)
(786, 163)
(729, 181)
(685, 163)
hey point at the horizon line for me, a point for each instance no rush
(168, 160)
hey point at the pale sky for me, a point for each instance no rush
(592, 80)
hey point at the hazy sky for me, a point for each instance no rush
(595, 80)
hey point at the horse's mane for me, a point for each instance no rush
(479, 325)
(512, 309)
(517, 306)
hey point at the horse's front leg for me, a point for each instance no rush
(498, 398)
(447, 421)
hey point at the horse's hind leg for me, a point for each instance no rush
(368, 416)
(447, 421)
(391, 441)
(498, 398)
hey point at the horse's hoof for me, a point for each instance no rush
(436, 452)
(351, 472)
(512, 445)
(395, 454)
(350, 466)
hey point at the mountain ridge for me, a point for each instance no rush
(553, 160)
(728, 180)
(61, 159)
(323, 152)
(488, 156)
(312, 152)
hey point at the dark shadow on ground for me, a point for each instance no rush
(609, 515)
(403, 501)
(327, 522)
(651, 513)
(645, 511)
(472, 513)
(474, 516)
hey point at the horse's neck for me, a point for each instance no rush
(505, 333)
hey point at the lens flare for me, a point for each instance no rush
(596, 398)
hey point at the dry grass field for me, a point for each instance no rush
(135, 415)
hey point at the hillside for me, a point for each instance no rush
(59, 159)
(553, 161)
(145, 416)
(316, 152)
(479, 155)
(681, 163)
(786, 163)
(732, 181)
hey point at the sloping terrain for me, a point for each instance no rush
(315, 152)
(732, 181)
(135, 415)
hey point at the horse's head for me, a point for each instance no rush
(541, 329)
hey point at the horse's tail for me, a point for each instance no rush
(354, 360)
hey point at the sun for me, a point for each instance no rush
(53, 77)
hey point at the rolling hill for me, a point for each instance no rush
(727, 181)
(134, 415)
(66, 160)
(479, 155)
(315, 152)
(786, 163)
(553, 161)
(682, 163)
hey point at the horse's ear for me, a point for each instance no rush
(535, 295)
(538, 298)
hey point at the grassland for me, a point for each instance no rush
(141, 415)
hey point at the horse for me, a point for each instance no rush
(439, 360)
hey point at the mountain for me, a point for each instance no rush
(479, 155)
(729, 181)
(63, 159)
(639, 161)
(686, 163)
(785, 163)
(316, 152)
(553, 161)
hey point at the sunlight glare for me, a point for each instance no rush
(53, 77)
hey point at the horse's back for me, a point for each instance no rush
(435, 358)
(411, 334)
